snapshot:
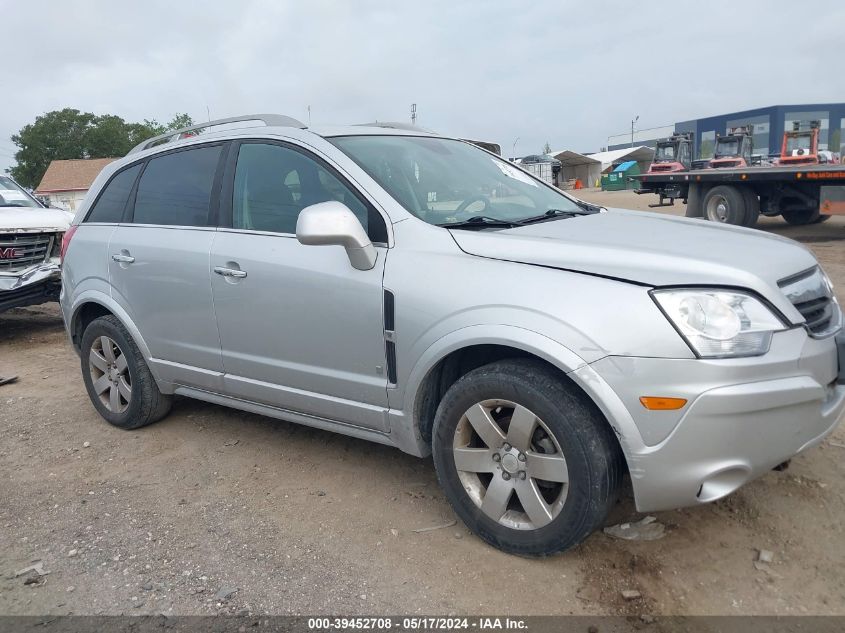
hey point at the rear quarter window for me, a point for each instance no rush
(111, 204)
(175, 189)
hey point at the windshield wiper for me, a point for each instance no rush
(482, 221)
(551, 214)
(592, 208)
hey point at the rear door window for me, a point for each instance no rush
(175, 189)
(111, 204)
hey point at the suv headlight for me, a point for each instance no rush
(720, 323)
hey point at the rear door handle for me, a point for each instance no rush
(229, 272)
(123, 259)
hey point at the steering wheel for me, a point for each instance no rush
(462, 208)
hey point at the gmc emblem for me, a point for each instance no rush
(11, 252)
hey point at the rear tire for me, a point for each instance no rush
(545, 468)
(726, 205)
(802, 218)
(117, 378)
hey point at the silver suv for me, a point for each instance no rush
(418, 291)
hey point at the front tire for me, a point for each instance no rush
(752, 208)
(117, 378)
(527, 462)
(726, 205)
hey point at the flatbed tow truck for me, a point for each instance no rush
(801, 194)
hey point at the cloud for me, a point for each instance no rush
(570, 73)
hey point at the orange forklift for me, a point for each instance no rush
(801, 146)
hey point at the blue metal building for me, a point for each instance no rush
(769, 125)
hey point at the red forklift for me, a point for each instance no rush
(734, 148)
(672, 154)
(801, 146)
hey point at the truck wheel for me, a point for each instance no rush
(752, 207)
(800, 218)
(117, 378)
(725, 204)
(529, 465)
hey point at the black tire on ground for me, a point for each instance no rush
(800, 218)
(593, 457)
(752, 207)
(147, 404)
(725, 204)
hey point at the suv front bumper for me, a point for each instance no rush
(742, 418)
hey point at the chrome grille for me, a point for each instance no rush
(811, 294)
(19, 251)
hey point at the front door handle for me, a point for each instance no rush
(120, 258)
(230, 272)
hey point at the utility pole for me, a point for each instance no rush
(413, 114)
(309, 116)
(632, 128)
(513, 147)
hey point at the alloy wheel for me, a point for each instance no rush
(110, 374)
(510, 464)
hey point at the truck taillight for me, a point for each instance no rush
(66, 241)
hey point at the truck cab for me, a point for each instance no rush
(672, 154)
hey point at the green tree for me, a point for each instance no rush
(69, 133)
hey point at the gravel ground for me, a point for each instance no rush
(217, 511)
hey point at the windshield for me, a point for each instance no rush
(797, 142)
(443, 181)
(664, 153)
(727, 147)
(11, 195)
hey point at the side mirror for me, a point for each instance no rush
(332, 223)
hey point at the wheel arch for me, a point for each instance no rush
(460, 352)
(92, 305)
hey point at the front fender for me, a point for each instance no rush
(404, 426)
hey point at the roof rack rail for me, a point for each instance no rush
(269, 120)
(396, 126)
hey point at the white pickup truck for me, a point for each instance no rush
(30, 244)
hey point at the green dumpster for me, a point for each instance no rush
(620, 178)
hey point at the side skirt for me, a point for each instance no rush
(288, 416)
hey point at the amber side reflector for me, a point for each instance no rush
(655, 403)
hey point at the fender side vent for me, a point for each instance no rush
(388, 311)
(390, 349)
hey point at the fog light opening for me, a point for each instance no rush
(723, 483)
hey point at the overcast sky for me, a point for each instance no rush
(570, 73)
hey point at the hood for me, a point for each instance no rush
(650, 249)
(34, 219)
